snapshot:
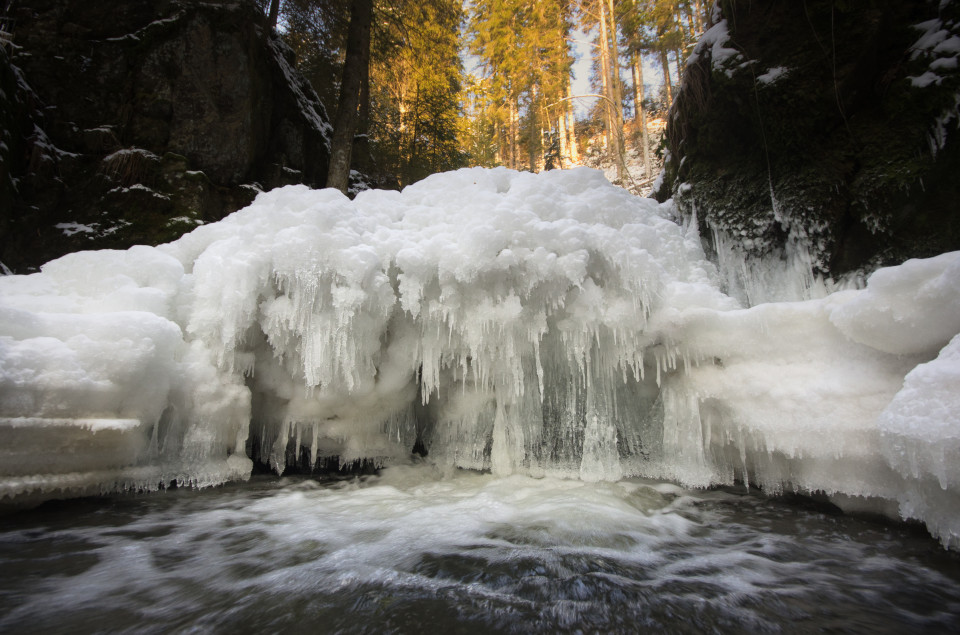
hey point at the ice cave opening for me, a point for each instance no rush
(544, 324)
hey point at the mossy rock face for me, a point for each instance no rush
(154, 116)
(14, 120)
(829, 124)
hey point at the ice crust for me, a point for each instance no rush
(546, 324)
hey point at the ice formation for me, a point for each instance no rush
(512, 322)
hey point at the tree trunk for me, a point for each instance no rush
(571, 128)
(665, 63)
(414, 151)
(536, 147)
(616, 85)
(360, 155)
(610, 55)
(696, 12)
(562, 134)
(605, 76)
(274, 13)
(541, 159)
(640, 113)
(508, 130)
(514, 135)
(345, 125)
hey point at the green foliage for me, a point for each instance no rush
(525, 58)
(410, 116)
(415, 94)
(478, 126)
(424, 116)
(316, 31)
(661, 25)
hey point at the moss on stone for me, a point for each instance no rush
(836, 150)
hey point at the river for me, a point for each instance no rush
(412, 549)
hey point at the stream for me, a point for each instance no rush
(412, 549)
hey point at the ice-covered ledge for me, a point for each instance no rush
(545, 324)
(28, 444)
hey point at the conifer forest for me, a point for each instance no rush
(491, 82)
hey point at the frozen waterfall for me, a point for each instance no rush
(547, 324)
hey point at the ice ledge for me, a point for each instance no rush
(26, 490)
(93, 425)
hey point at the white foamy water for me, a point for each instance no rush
(410, 550)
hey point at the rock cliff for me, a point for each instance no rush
(133, 122)
(823, 127)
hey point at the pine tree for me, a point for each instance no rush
(356, 61)
(478, 129)
(407, 105)
(525, 59)
(640, 111)
(601, 18)
(416, 91)
(316, 30)
(657, 28)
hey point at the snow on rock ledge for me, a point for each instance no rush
(547, 324)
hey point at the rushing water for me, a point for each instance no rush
(411, 550)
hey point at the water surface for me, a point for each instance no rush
(411, 550)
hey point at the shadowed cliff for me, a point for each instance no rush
(133, 122)
(831, 126)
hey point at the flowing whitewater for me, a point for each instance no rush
(547, 325)
(409, 550)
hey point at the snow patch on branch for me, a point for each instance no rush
(939, 43)
(137, 35)
(712, 44)
(307, 99)
(772, 75)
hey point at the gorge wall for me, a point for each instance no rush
(134, 122)
(825, 126)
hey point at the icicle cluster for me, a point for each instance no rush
(548, 324)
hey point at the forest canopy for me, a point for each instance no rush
(447, 83)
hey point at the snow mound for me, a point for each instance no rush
(503, 321)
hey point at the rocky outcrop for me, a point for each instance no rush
(831, 127)
(15, 120)
(148, 118)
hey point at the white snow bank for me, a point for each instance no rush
(921, 420)
(348, 309)
(547, 324)
(812, 395)
(907, 310)
(328, 322)
(92, 338)
(928, 78)
(69, 229)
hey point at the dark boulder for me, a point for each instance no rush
(147, 118)
(830, 126)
